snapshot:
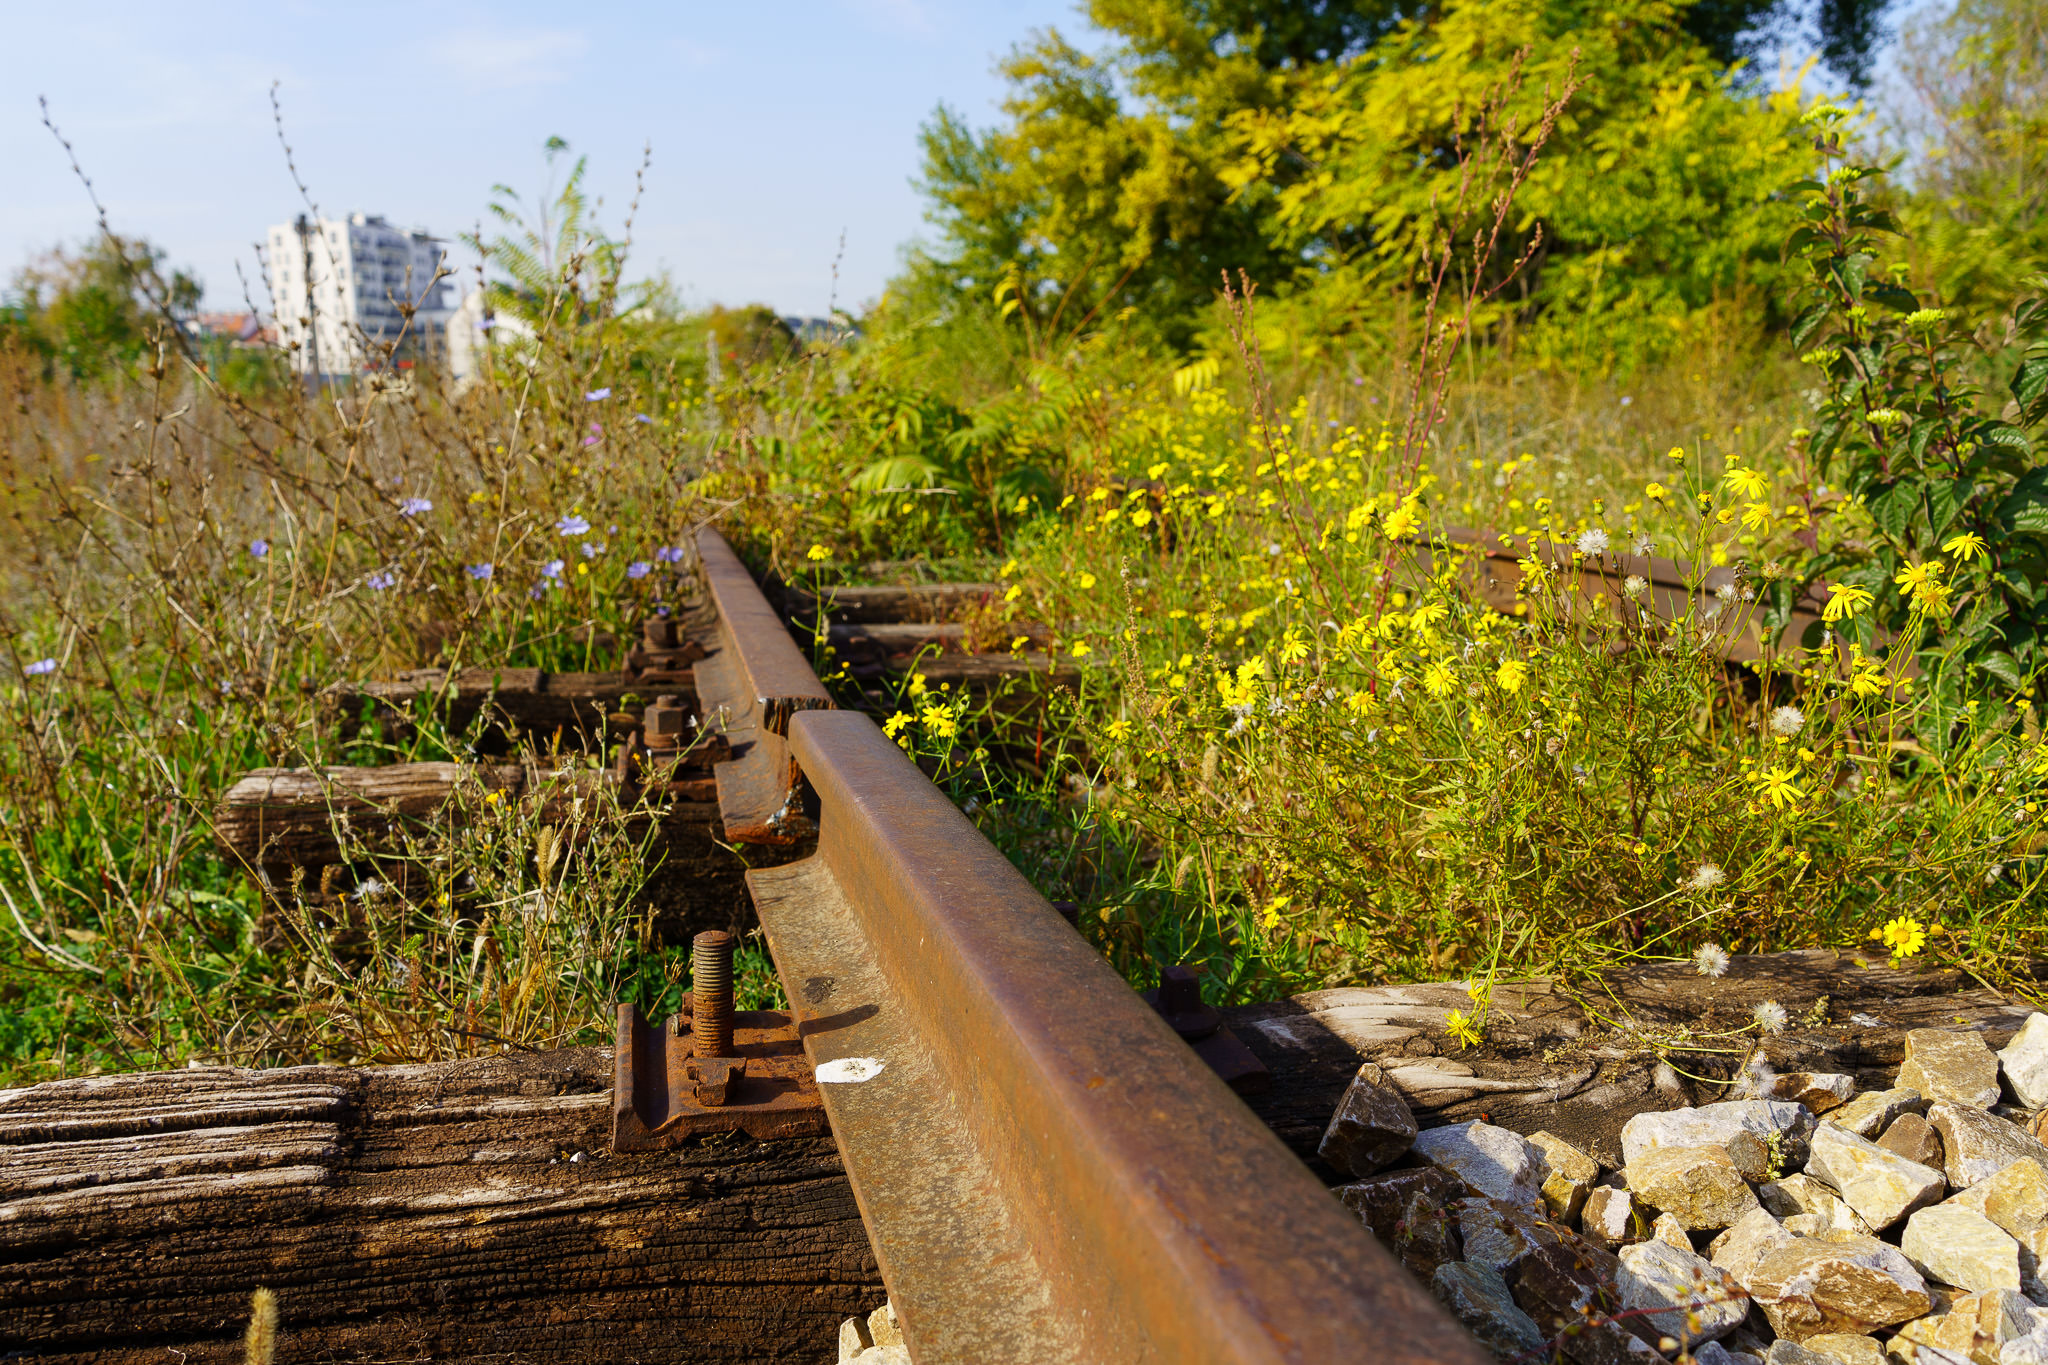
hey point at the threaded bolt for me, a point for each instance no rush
(711, 992)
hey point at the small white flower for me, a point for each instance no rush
(1705, 877)
(1634, 585)
(368, 887)
(1770, 1016)
(1710, 960)
(1593, 542)
(1787, 721)
(1643, 545)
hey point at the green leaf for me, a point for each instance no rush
(1916, 441)
(2026, 509)
(2003, 667)
(1853, 273)
(2030, 388)
(1809, 322)
(1893, 297)
(1892, 507)
(1945, 498)
(1999, 434)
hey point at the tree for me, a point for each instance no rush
(1117, 177)
(92, 311)
(1978, 220)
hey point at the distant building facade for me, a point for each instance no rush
(341, 289)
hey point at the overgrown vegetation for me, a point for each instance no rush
(1563, 279)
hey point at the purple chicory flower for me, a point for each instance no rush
(592, 548)
(639, 568)
(596, 394)
(1626, 400)
(259, 548)
(412, 507)
(380, 580)
(551, 569)
(480, 572)
(643, 417)
(572, 525)
(669, 554)
(40, 667)
(536, 590)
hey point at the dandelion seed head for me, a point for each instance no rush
(1726, 592)
(1705, 877)
(1635, 585)
(1643, 545)
(1710, 960)
(1770, 1016)
(1593, 542)
(1787, 721)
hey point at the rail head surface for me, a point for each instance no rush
(777, 676)
(1161, 1219)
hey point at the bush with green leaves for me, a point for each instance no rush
(1924, 500)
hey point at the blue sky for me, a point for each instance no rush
(774, 126)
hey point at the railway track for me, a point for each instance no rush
(1045, 1168)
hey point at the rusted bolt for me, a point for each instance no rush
(663, 722)
(1180, 1000)
(659, 632)
(715, 1077)
(711, 992)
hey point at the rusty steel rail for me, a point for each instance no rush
(1047, 1171)
(750, 685)
(1046, 1168)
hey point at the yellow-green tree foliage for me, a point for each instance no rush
(1303, 141)
(1658, 198)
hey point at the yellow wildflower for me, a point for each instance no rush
(1511, 675)
(1439, 680)
(1756, 516)
(1080, 649)
(1085, 582)
(1913, 575)
(1965, 546)
(1776, 786)
(1905, 936)
(1464, 1028)
(1744, 483)
(817, 553)
(1845, 600)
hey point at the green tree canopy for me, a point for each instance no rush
(90, 311)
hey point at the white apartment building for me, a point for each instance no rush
(362, 272)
